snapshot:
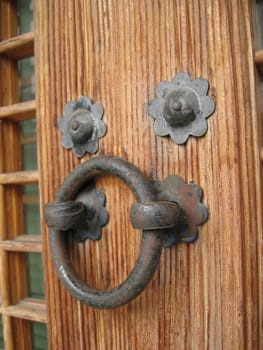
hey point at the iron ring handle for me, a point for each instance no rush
(151, 245)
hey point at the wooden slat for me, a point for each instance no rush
(18, 47)
(30, 198)
(258, 56)
(19, 111)
(28, 309)
(27, 140)
(19, 178)
(13, 271)
(23, 243)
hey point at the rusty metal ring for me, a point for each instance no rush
(152, 240)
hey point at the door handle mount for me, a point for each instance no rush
(167, 212)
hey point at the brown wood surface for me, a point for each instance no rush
(13, 273)
(19, 111)
(258, 56)
(18, 47)
(23, 243)
(28, 139)
(19, 177)
(30, 309)
(207, 295)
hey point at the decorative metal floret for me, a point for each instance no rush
(82, 126)
(194, 213)
(181, 107)
(97, 215)
(84, 217)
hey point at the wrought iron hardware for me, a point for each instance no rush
(181, 108)
(85, 216)
(167, 212)
(82, 126)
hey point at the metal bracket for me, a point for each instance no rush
(84, 217)
(181, 108)
(194, 213)
(177, 211)
(97, 216)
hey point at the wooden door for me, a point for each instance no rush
(207, 295)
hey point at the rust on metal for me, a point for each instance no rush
(151, 245)
(65, 215)
(167, 212)
(155, 215)
(85, 216)
(194, 213)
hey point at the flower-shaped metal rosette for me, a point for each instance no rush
(82, 126)
(181, 108)
(95, 202)
(194, 212)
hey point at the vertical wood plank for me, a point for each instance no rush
(252, 26)
(205, 295)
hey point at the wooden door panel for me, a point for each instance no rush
(204, 295)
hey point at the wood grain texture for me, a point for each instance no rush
(23, 243)
(18, 47)
(13, 273)
(30, 309)
(19, 177)
(19, 111)
(205, 295)
(258, 56)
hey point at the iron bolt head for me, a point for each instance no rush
(177, 106)
(82, 126)
(74, 125)
(181, 108)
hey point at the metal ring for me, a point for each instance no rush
(151, 245)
